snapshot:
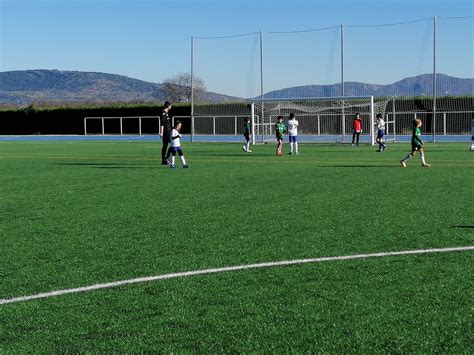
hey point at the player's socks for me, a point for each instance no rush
(422, 158)
(248, 147)
(183, 161)
(291, 147)
(173, 159)
(408, 157)
(296, 147)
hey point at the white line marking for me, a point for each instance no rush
(227, 269)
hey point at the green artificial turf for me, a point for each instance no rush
(75, 214)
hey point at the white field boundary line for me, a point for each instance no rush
(228, 269)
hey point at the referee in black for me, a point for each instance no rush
(165, 133)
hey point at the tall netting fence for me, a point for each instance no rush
(454, 109)
(302, 63)
(415, 68)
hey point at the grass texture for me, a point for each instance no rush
(75, 214)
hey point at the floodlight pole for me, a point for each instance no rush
(192, 88)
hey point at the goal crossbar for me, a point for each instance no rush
(341, 98)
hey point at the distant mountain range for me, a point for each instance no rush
(421, 85)
(20, 88)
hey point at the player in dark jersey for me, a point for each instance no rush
(280, 130)
(247, 130)
(416, 145)
(165, 133)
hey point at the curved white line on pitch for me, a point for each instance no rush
(227, 269)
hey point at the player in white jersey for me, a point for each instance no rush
(293, 134)
(380, 124)
(176, 146)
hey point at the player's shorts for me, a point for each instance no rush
(380, 133)
(176, 149)
(415, 146)
(247, 136)
(293, 139)
(279, 137)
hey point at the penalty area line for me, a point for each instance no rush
(229, 269)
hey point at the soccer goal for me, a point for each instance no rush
(323, 120)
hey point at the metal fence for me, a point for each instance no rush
(450, 126)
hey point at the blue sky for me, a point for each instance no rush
(150, 39)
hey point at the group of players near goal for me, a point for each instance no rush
(171, 136)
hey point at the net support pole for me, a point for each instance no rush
(262, 116)
(342, 84)
(434, 78)
(372, 121)
(85, 126)
(192, 88)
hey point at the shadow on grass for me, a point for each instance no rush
(464, 227)
(114, 165)
(359, 166)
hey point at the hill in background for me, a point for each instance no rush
(20, 88)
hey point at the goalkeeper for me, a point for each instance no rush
(280, 130)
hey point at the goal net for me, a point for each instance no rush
(324, 120)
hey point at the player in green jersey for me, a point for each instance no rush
(416, 145)
(280, 130)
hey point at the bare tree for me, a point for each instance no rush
(178, 88)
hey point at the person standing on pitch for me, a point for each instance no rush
(293, 134)
(280, 130)
(176, 146)
(380, 124)
(416, 145)
(165, 133)
(356, 129)
(247, 130)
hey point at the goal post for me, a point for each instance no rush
(472, 134)
(324, 120)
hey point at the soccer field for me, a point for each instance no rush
(76, 214)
